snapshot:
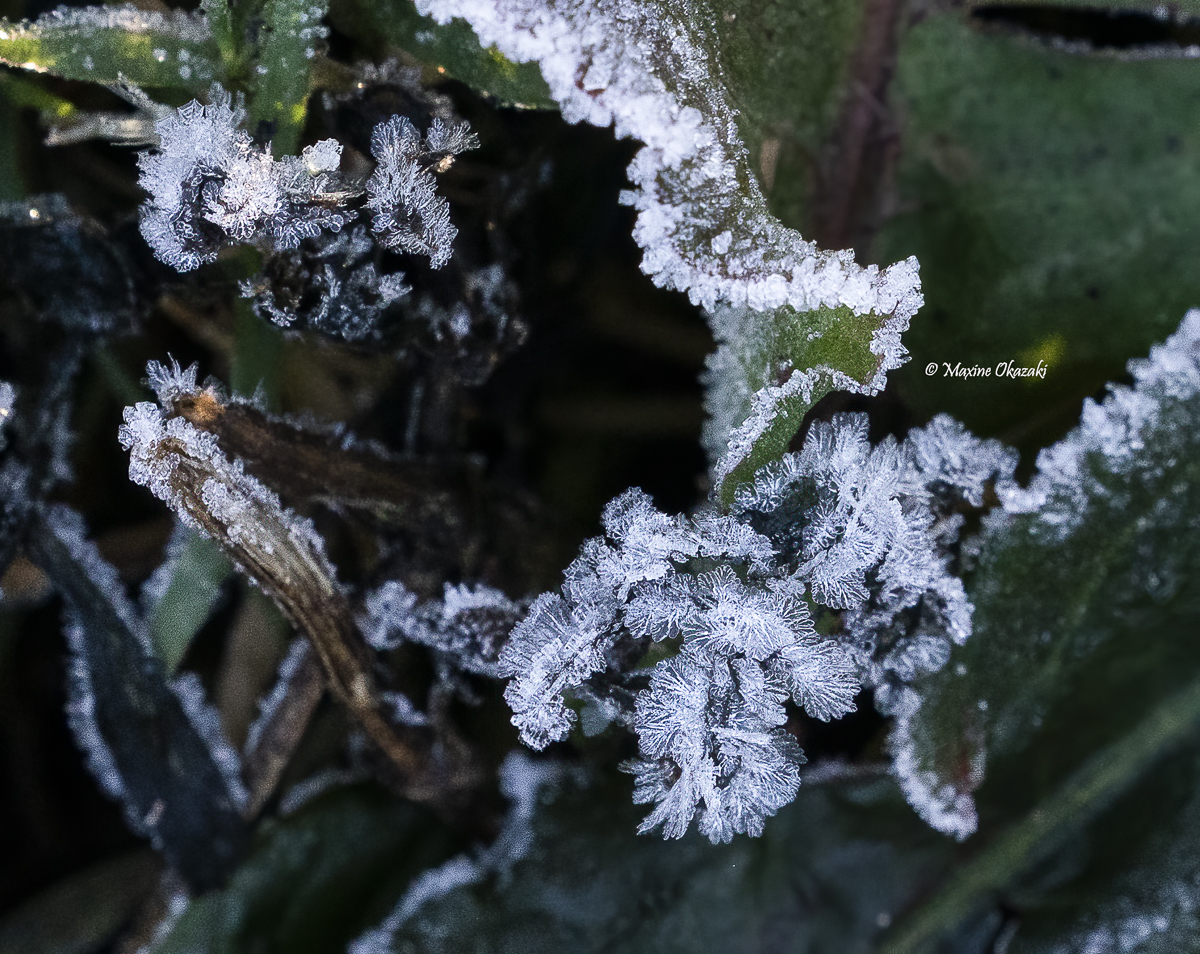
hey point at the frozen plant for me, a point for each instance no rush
(861, 536)
(211, 184)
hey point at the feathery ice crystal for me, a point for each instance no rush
(210, 184)
(861, 535)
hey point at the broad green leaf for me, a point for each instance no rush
(452, 50)
(1052, 204)
(826, 877)
(1082, 672)
(316, 879)
(684, 79)
(172, 50)
(291, 32)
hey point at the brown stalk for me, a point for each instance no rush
(858, 154)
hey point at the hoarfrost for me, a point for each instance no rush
(465, 627)
(210, 184)
(409, 214)
(647, 70)
(708, 721)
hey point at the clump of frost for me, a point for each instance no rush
(465, 628)
(709, 720)
(210, 184)
(409, 215)
(873, 531)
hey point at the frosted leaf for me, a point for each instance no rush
(298, 652)
(654, 71)
(208, 726)
(523, 783)
(650, 70)
(154, 747)
(1112, 429)
(942, 804)
(409, 215)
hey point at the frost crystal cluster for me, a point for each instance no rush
(874, 532)
(409, 214)
(861, 536)
(210, 185)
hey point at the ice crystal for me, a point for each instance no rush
(466, 627)
(409, 215)
(708, 722)
(210, 184)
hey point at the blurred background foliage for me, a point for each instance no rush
(1041, 161)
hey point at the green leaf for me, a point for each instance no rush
(1082, 671)
(197, 570)
(827, 875)
(1053, 204)
(286, 53)
(171, 50)
(316, 879)
(753, 399)
(451, 50)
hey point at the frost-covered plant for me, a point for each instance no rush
(210, 185)
(857, 535)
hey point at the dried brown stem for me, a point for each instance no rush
(857, 156)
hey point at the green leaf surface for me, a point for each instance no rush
(1083, 673)
(451, 50)
(589, 884)
(170, 50)
(316, 879)
(1051, 200)
(287, 49)
(198, 571)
